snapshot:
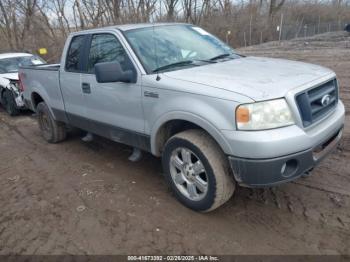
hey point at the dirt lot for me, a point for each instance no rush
(78, 198)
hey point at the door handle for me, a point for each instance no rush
(86, 88)
(151, 94)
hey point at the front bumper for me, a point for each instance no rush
(17, 96)
(283, 141)
(19, 101)
(273, 171)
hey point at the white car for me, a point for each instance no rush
(10, 90)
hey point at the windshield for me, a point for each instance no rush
(12, 64)
(160, 46)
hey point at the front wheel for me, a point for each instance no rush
(197, 171)
(52, 130)
(9, 103)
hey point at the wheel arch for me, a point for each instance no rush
(36, 98)
(176, 122)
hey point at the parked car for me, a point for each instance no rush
(10, 91)
(215, 117)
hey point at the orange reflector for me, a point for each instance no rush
(242, 115)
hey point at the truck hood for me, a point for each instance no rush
(255, 77)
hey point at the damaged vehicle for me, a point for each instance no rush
(10, 90)
(216, 118)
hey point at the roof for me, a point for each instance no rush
(143, 25)
(127, 27)
(10, 55)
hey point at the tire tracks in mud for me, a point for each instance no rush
(35, 191)
(15, 129)
(29, 210)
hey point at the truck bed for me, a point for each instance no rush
(44, 80)
(48, 67)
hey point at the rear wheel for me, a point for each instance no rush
(9, 103)
(197, 171)
(51, 130)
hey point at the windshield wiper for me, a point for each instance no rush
(220, 56)
(177, 64)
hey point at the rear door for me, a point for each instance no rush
(71, 84)
(115, 109)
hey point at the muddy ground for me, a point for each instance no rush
(78, 198)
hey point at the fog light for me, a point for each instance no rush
(289, 168)
(283, 169)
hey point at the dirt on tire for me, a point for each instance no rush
(224, 182)
(87, 198)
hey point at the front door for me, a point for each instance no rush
(115, 109)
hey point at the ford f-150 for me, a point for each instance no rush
(215, 117)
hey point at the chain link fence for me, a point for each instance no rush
(308, 30)
(282, 32)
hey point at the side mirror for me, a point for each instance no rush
(109, 72)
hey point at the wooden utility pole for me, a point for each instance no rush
(250, 30)
(281, 25)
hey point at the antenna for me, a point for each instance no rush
(155, 50)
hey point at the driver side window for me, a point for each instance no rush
(107, 48)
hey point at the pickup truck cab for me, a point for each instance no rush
(10, 91)
(215, 117)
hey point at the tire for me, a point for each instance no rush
(51, 130)
(9, 103)
(213, 186)
(2, 92)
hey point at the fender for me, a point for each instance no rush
(45, 97)
(190, 117)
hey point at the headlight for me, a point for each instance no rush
(264, 115)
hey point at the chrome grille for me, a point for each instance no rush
(317, 102)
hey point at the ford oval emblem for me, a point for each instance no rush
(326, 100)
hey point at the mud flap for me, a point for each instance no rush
(136, 155)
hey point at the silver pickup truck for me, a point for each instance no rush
(215, 117)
